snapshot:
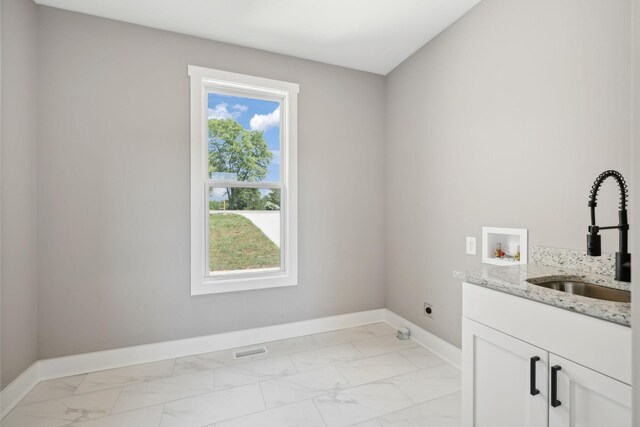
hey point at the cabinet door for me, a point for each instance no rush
(586, 398)
(504, 380)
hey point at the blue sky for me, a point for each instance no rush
(252, 114)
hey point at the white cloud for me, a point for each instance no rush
(221, 111)
(262, 122)
(218, 194)
(276, 157)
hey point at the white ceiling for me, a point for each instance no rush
(369, 35)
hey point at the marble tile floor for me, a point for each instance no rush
(360, 376)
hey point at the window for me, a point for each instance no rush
(243, 182)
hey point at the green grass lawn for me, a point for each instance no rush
(235, 243)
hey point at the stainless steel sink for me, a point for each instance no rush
(584, 289)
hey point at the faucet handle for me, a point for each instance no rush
(623, 267)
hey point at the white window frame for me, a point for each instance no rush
(203, 81)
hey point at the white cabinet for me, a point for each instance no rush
(507, 381)
(526, 364)
(586, 398)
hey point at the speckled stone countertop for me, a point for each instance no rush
(513, 280)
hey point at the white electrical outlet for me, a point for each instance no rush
(471, 245)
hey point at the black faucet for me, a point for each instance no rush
(594, 247)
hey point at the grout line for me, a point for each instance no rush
(428, 400)
(21, 402)
(75, 392)
(313, 337)
(358, 350)
(173, 367)
(115, 401)
(162, 416)
(441, 397)
(164, 404)
(414, 405)
(150, 405)
(372, 419)
(313, 400)
(264, 410)
(264, 401)
(331, 364)
(357, 339)
(173, 370)
(416, 369)
(401, 391)
(292, 364)
(410, 362)
(239, 416)
(231, 366)
(105, 360)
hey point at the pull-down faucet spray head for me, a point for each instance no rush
(594, 244)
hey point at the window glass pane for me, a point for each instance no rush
(244, 138)
(244, 229)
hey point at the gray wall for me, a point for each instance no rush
(635, 205)
(18, 279)
(505, 119)
(533, 93)
(114, 188)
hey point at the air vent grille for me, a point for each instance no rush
(250, 352)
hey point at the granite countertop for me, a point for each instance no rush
(512, 279)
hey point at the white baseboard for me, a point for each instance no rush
(436, 345)
(100, 360)
(89, 362)
(19, 388)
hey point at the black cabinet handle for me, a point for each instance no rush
(554, 386)
(532, 381)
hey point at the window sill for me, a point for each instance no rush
(219, 286)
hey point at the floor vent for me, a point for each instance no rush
(250, 352)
